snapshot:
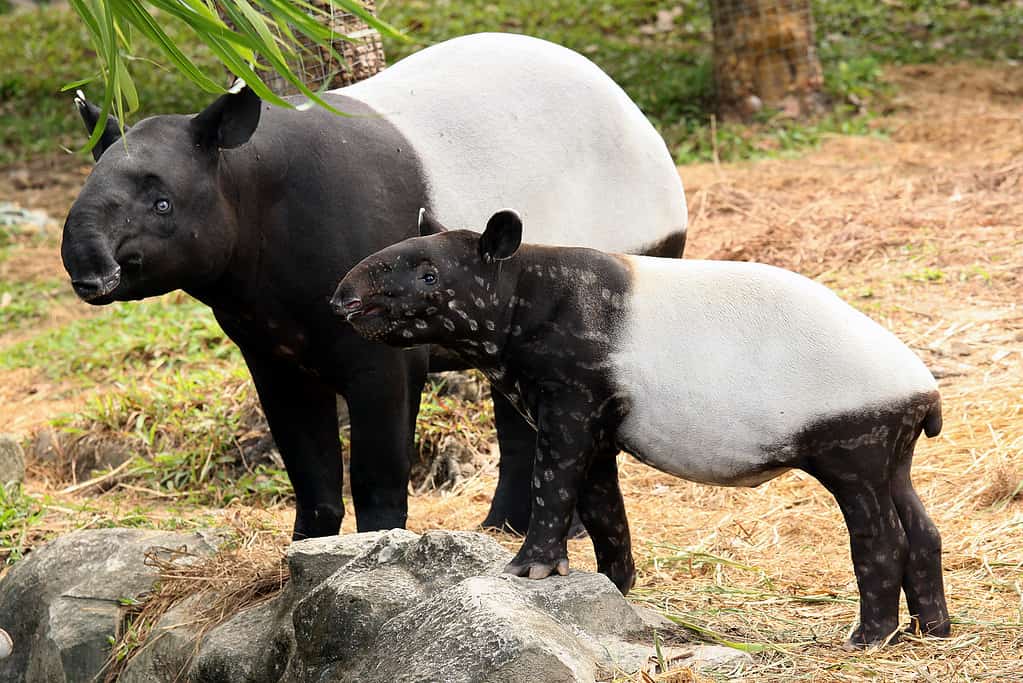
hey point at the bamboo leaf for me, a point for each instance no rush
(267, 28)
(143, 20)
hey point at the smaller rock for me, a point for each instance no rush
(464, 385)
(12, 460)
(717, 659)
(45, 446)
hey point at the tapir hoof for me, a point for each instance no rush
(861, 640)
(943, 629)
(538, 570)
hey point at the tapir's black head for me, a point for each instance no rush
(434, 289)
(152, 216)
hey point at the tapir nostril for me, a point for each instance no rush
(346, 305)
(89, 288)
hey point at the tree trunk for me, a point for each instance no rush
(765, 56)
(318, 68)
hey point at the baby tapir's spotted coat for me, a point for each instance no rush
(718, 372)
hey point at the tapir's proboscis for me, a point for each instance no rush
(257, 211)
(718, 372)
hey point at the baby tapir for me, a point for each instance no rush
(722, 373)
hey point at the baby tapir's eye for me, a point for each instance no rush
(429, 278)
(162, 206)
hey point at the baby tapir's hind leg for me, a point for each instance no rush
(922, 580)
(858, 479)
(602, 510)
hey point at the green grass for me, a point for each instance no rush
(18, 512)
(23, 303)
(918, 31)
(174, 390)
(156, 335)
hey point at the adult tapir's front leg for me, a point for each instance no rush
(382, 386)
(302, 413)
(564, 450)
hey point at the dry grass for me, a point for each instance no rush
(924, 232)
(241, 575)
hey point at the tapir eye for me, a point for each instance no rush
(429, 278)
(162, 206)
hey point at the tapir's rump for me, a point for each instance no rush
(724, 362)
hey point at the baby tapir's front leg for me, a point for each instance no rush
(574, 463)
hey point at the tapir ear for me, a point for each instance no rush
(502, 237)
(229, 122)
(90, 115)
(428, 225)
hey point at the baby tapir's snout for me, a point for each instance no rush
(346, 302)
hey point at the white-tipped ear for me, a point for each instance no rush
(502, 237)
(428, 225)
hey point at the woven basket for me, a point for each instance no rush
(318, 68)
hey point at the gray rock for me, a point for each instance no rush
(385, 606)
(12, 460)
(247, 648)
(482, 629)
(60, 604)
(464, 385)
(46, 446)
(718, 658)
(713, 659)
(337, 622)
(314, 559)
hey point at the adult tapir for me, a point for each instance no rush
(258, 211)
(715, 371)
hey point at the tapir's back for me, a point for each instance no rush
(726, 360)
(507, 120)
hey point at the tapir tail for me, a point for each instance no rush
(932, 420)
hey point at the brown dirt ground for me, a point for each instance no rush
(922, 230)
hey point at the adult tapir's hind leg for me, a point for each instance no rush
(517, 439)
(602, 510)
(922, 580)
(858, 478)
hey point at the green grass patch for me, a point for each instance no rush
(184, 426)
(918, 31)
(18, 513)
(23, 303)
(160, 334)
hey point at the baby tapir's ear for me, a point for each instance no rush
(428, 225)
(229, 122)
(502, 237)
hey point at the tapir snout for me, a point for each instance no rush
(89, 261)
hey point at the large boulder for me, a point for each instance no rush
(383, 606)
(60, 604)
